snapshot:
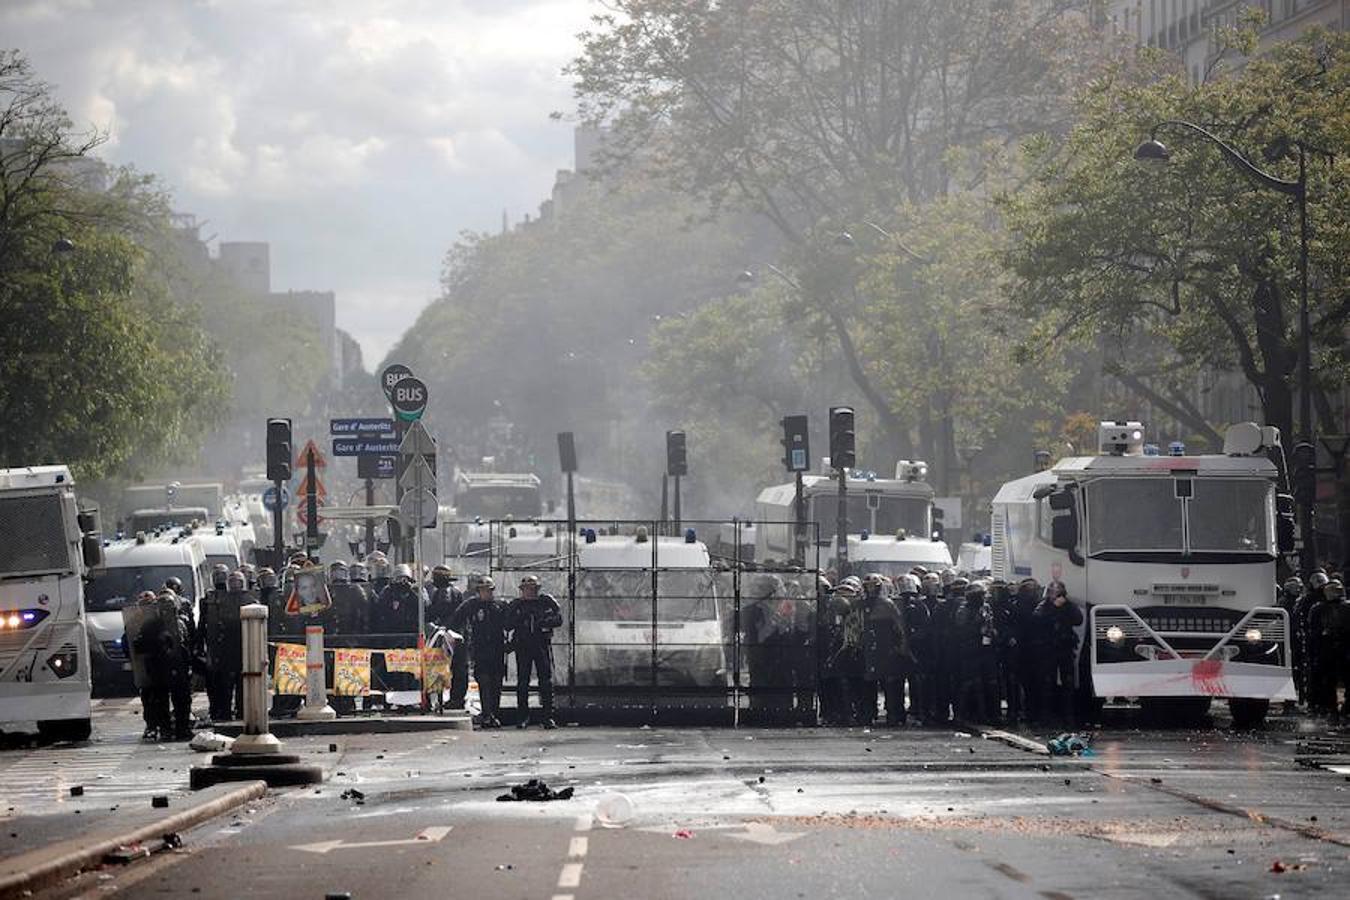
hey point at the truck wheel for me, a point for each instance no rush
(65, 730)
(1248, 714)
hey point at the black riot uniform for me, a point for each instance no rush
(1329, 625)
(885, 654)
(395, 616)
(976, 639)
(1024, 701)
(841, 663)
(224, 647)
(445, 600)
(165, 642)
(1056, 647)
(768, 637)
(532, 617)
(914, 615)
(483, 622)
(940, 667)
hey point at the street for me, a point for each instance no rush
(759, 813)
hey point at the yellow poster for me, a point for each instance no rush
(351, 672)
(402, 660)
(438, 669)
(288, 676)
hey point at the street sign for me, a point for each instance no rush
(302, 511)
(418, 502)
(320, 461)
(418, 476)
(319, 489)
(364, 447)
(371, 466)
(417, 442)
(373, 428)
(409, 398)
(269, 498)
(391, 376)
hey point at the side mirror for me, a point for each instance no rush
(88, 520)
(939, 513)
(1061, 501)
(91, 548)
(1284, 523)
(1043, 491)
(1064, 532)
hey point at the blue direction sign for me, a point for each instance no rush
(364, 447)
(269, 498)
(367, 428)
(376, 466)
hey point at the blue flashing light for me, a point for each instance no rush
(589, 535)
(1152, 450)
(689, 536)
(1176, 448)
(865, 534)
(987, 540)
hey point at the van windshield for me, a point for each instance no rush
(33, 536)
(114, 588)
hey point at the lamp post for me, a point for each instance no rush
(1153, 151)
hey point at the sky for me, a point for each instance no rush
(357, 137)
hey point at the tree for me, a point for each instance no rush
(820, 115)
(99, 369)
(1195, 267)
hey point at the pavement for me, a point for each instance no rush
(772, 813)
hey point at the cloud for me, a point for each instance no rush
(359, 137)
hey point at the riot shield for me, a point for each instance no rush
(135, 617)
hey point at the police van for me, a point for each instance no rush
(131, 565)
(47, 544)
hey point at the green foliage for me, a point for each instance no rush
(1193, 267)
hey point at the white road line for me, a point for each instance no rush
(585, 822)
(562, 897)
(571, 876)
(577, 849)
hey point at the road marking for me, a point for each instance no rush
(571, 876)
(764, 833)
(562, 897)
(425, 836)
(585, 822)
(578, 847)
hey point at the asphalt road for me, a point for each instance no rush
(776, 813)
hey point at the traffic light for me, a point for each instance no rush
(796, 449)
(567, 451)
(1305, 473)
(278, 449)
(677, 463)
(842, 454)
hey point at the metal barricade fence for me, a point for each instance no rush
(661, 621)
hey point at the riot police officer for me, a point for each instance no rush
(165, 643)
(1056, 650)
(379, 572)
(1024, 700)
(444, 600)
(976, 639)
(842, 664)
(483, 621)
(884, 651)
(1305, 611)
(532, 617)
(939, 668)
(225, 649)
(914, 616)
(1331, 627)
(766, 633)
(269, 594)
(395, 616)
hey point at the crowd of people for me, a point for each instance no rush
(925, 647)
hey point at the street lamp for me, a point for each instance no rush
(1154, 151)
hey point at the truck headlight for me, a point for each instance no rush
(1115, 634)
(64, 664)
(1253, 635)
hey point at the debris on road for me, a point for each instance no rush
(535, 790)
(1070, 745)
(684, 834)
(614, 811)
(210, 742)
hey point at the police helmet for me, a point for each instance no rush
(359, 573)
(959, 582)
(1293, 585)
(1335, 589)
(823, 584)
(236, 580)
(874, 580)
(851, 585)
(485, 581)
(174, 584)
(403, 572)
(1318, 580)
(267, 577)
(918, 571)
(530, 580)
(380, 566)
(908, 584)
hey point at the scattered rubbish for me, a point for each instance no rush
(961, 734)
(1068, 744)
(504, 867)
(1155, 780)
(1312, 818)
(800, 791)
(353, 794)
(614, 811)
(684, 834)
(172, 841)
(77, 791)
(159, 801)
(210, 742)
(332, 748)
(1278, 867)
(535, 790)
(761, 779)
(338, 895)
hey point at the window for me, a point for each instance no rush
(117, 587)
(33, 536)
(1133, 514)
(1230, 515)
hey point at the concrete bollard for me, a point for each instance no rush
(316, 692)
(256, 737)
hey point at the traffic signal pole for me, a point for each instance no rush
(370, 521)
(841, 530)
(675, 506)
(799, 510)
(311, 504)
(278, 524)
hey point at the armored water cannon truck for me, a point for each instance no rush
(1173, 558)
(47, 547)
(893, 524)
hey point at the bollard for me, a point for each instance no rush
(256, 737)
(316, 692)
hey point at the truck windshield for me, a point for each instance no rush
(499, 502)
(626, 596)
(33, 536)
(893, 514)
(1231, 515)
(1223, 515)
(1134, 514)
(114, 588)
